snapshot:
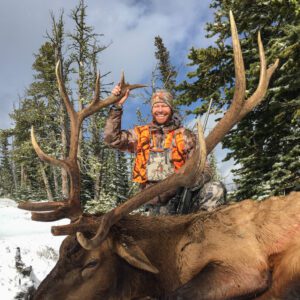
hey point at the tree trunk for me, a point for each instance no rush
(80, 101)
(13, 169)
(46, 183)
(54, 173)
(23, 176)
(64, 143)
(97, 187)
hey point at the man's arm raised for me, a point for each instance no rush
(124, 140)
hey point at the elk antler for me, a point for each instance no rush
(71, 207)
(187, 175)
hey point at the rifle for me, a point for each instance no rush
(184, 198)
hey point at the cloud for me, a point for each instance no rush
(130, 25)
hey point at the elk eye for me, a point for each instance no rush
(91, 264)
(89, 269)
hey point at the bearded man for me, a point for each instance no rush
(161, 148)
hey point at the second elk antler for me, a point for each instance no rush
(71, 207)
(187, 175)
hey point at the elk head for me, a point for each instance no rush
(78, 272)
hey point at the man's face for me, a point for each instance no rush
(161, 112)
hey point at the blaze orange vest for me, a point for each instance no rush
(143, 148)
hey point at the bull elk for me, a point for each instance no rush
(247, 250)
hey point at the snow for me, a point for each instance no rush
(38, 248)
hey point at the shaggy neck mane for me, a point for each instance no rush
(140, 226)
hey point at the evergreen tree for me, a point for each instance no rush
(57, 38)
(121, 175)
(85, 49)
(96, 144)
(266, 142)
(31, 112)
(214, 167)
(163, 77)
(45, 89)
(6, 173)
(167, 72)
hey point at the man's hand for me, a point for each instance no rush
(116, 91)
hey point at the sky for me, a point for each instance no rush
(128, 26)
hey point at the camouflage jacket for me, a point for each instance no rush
(126, 140)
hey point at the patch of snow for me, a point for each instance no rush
(4, 202)
(38, 248)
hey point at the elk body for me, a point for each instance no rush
(237, 252)
(247, 250)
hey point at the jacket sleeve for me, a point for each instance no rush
(190, 141)
(124, 140)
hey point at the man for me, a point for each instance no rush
(161, 147)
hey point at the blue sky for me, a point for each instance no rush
(129, 26)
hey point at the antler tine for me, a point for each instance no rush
(39, 206)
(186, 176)
(55, 211)
(96, 105)
(56, 208)
(264, 78)
(62, 90)
(82, 224)
(227, 122)
(122, 80)
(195, 166)
(45, 157)
(221, 129)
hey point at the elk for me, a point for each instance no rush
(246, 250)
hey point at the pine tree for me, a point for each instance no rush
(163, 77)
(167, 72)
(85, 49)
(45, 89)
(6, 173)
(31, 112)
(57, 38)
(214, 167)
(121, 175)
(266, 143)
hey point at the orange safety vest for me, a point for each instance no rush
(143, 148)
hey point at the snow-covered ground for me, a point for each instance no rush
(38, 249)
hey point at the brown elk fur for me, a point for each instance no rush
(240, 251)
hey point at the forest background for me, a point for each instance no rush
(265, 146)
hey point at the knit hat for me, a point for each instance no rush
(162, 96)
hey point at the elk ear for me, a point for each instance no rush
(134, 255)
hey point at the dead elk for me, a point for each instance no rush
(236, 252)
(246, 249)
